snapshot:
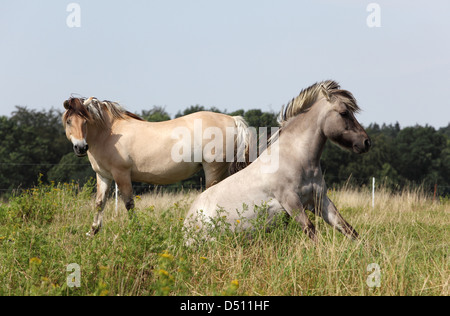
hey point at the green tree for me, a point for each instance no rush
(196, 108)
(445, 130)
(157, 114)
(34, 142)
(418, 148)
(258, 118)
(31, 142)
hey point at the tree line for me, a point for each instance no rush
(33, 145)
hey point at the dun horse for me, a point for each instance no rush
(322, 111)
(124, 148)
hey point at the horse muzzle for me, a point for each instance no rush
(363, 146)
(81, 149)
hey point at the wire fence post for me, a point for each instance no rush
(373, 192)
(117, 199)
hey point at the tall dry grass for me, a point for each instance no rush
(406, 235)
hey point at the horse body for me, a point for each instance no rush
(144, 150)
(321, 112)
(124, 148)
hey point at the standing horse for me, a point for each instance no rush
(322, 111)
(124, 148)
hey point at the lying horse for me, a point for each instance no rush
(124, 148)
(322, 111)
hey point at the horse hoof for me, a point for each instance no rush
(93, 232)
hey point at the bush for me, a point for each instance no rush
(40, 204)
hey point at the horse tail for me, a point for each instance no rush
(245, 140)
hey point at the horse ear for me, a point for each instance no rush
(67, 104)
(88, 101)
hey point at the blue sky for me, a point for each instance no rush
(228, 54)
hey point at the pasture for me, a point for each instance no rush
(43, 230)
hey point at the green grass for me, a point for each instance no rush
(43, 230)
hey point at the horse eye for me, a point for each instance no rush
(69, 122)
(344, 114)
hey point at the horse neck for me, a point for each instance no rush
(97, 133)
(304, 140)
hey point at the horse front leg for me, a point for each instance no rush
(294, 207)
(330, 214)
(103, 185)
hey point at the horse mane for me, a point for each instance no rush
(329, 89)
(94, 110)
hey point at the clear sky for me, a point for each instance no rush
(229, 54)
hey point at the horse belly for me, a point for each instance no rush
(164, 173)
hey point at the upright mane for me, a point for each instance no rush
(329, 89)
(94, 110)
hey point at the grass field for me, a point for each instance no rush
(43, 230)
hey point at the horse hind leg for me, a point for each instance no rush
(126, 191)
(215, 172)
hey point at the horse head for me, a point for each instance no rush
(334, 112)
(75, 121)
(340, 125)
